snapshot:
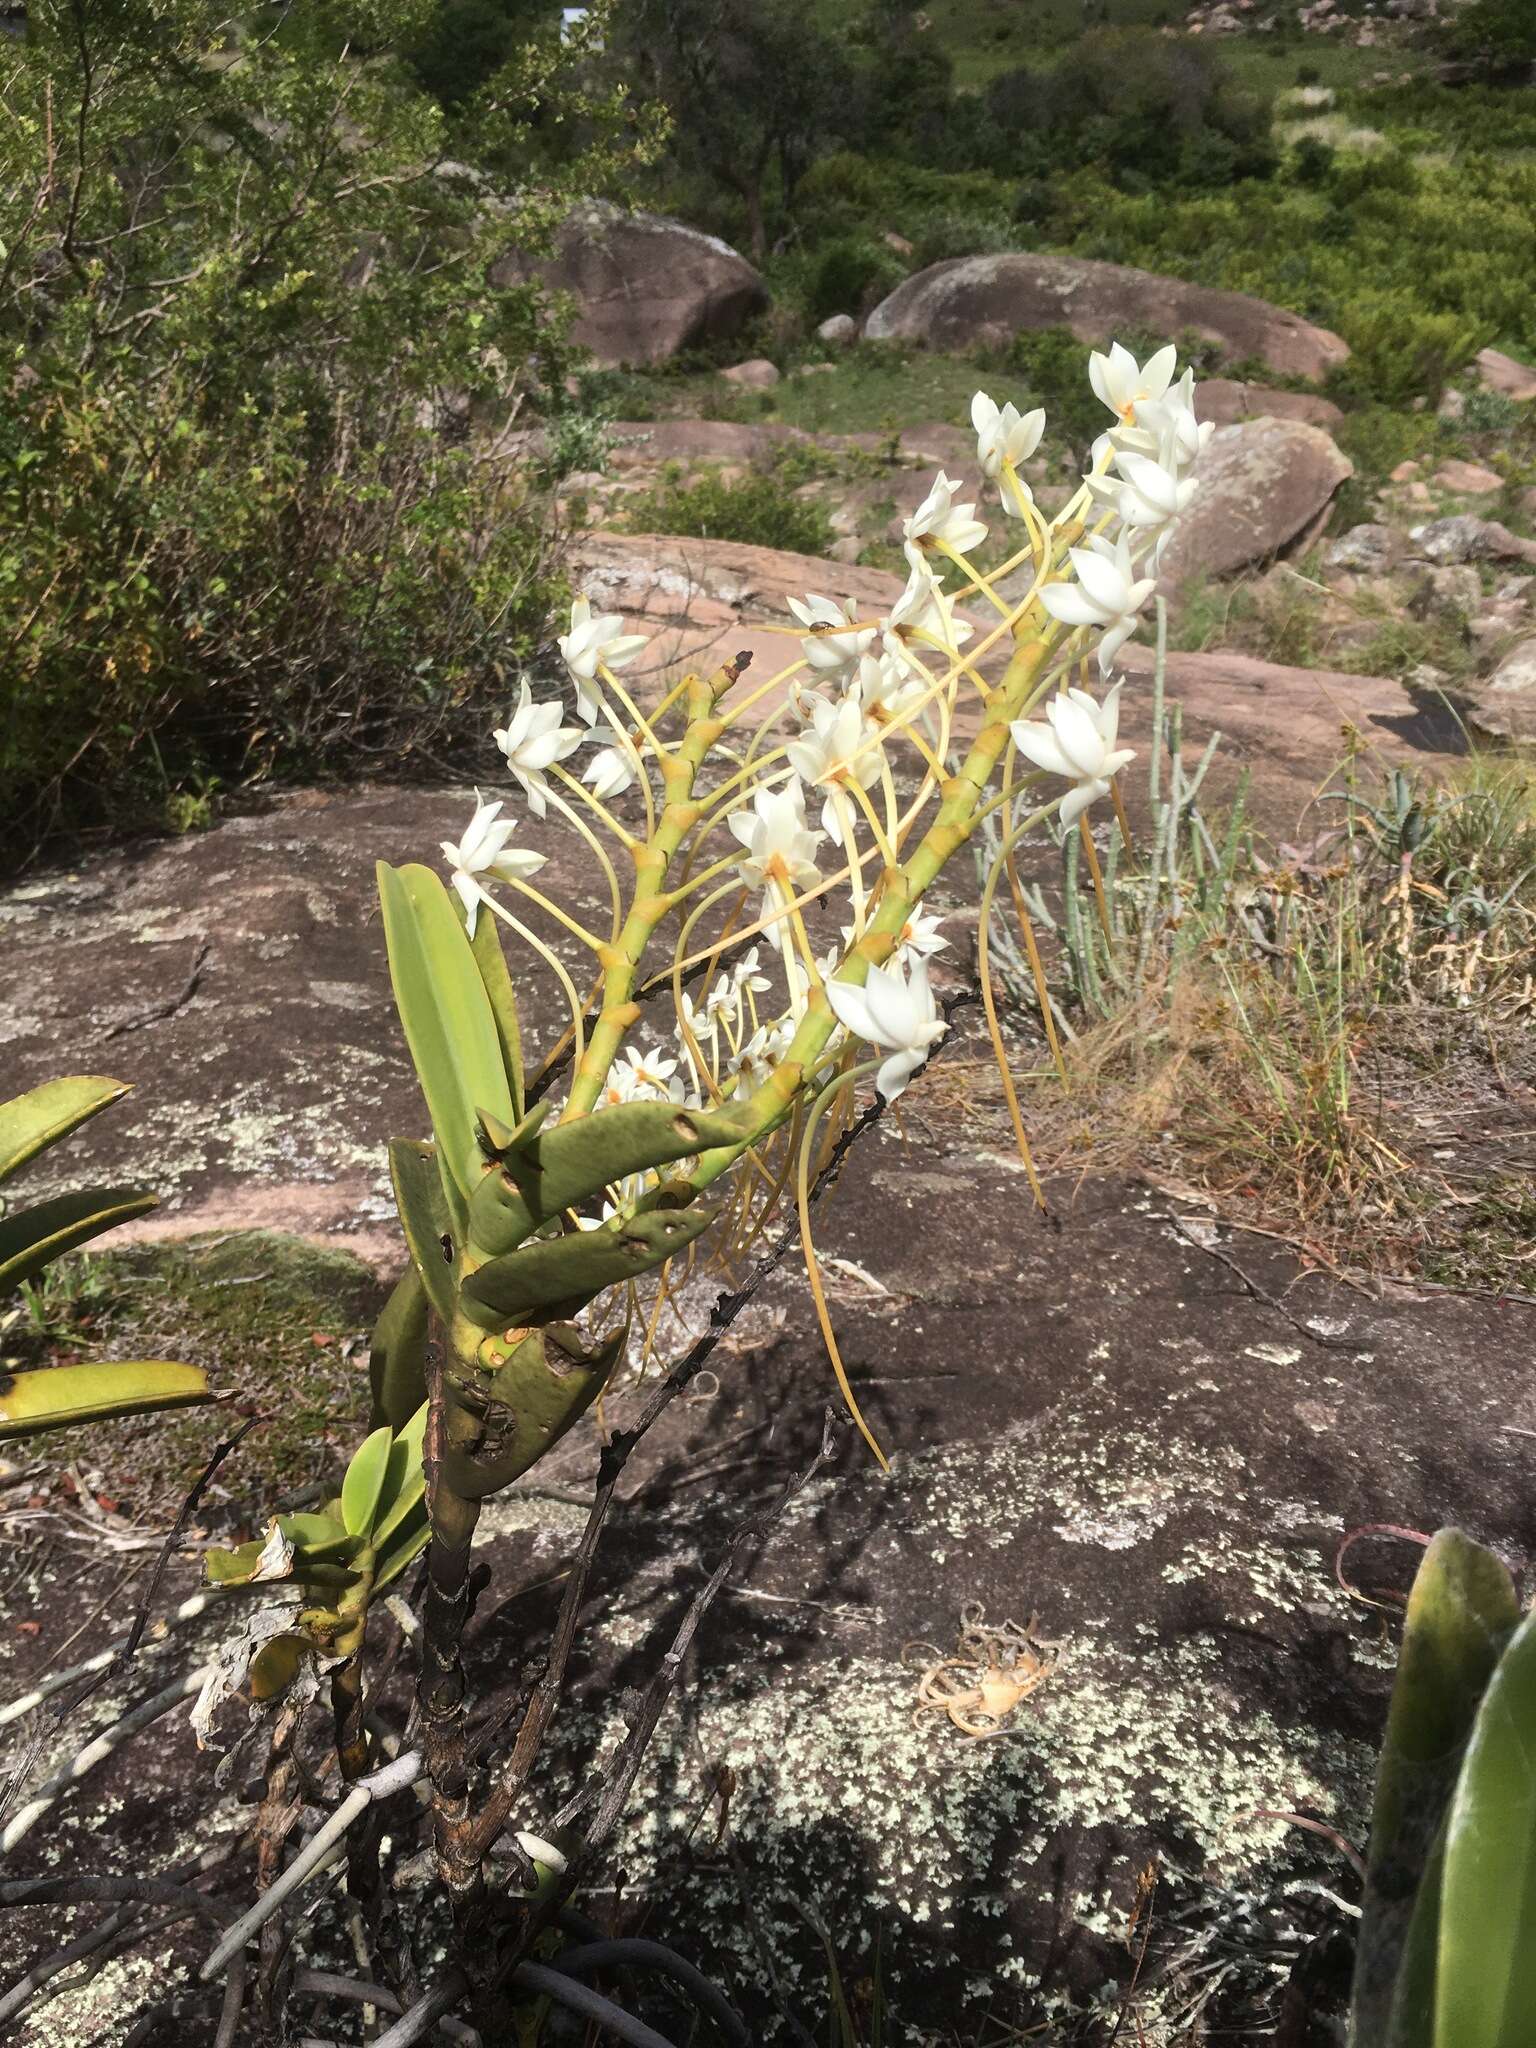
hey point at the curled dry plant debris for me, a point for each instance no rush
(991, 1669)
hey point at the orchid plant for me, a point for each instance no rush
(711, 1047)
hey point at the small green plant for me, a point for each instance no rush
(758, 510)
(30, 1239)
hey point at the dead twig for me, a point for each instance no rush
(169, 1008)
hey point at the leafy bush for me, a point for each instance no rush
(1495, 38)
(758, 510)
(1401, 352)
(850, 275)
(239, 529)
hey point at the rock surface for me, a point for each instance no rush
(970, 301)
(1463, 538)
(757, 375)
(647, 287)
(1371, 549)
(1225, 401)
(1505, 708)
(1501, 373)
(841, 331)
(1468, 479)
(1264, 485)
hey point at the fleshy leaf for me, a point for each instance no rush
(54, 1397)
(35, 1237)
(1461, 1612)
(565, 1164)
(1485, 1982)
(397, 1353)
(558, 1276)
(363, 1486)
(492, 963)
(426, 1219)
(447, 1016)
(405, 1482)
(317, 1538)
(276, 1665)
(32, 1122)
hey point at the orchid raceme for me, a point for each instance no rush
(765, 844)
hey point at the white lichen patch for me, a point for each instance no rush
(836, 1795)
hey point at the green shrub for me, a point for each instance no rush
(1496, 38)
(1401, 352)
(758, 510)
(240, 527)
(851, 275)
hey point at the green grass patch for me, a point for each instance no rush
(279, 1323)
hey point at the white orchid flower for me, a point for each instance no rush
(895, 1013)
(593, 642)
(801, 984)
(747, 974)
(888, 691)
(650, 1076)
(484, 852)
(780, 851)
(829, 642)
(1005, 437)
(533, 740)
(918, 938)
(1121, 383)
(1078, 743)
(1152, 497)
(939, 521)
(922, 613)
(609, 772)
(754, 1061)
(1180, 437)
(1107, 594)
(833, 754)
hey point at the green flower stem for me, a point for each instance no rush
(621, 962)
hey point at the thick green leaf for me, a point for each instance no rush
(1485, 1985)
(449, 1024)
(317, 1539)
(397, 1354)
(33, 1238)
(57, 1396)
(38, 1119)
(363, 1486)
(425, 1219)
(405, 1482)
(1412, 2022)
(1461, 1612)
(562, 1165)
(559, 1276)
(492, 963)
(233, 1567)
(405, 1545)
(516, 1411)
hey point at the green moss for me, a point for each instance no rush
(277, 1322)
